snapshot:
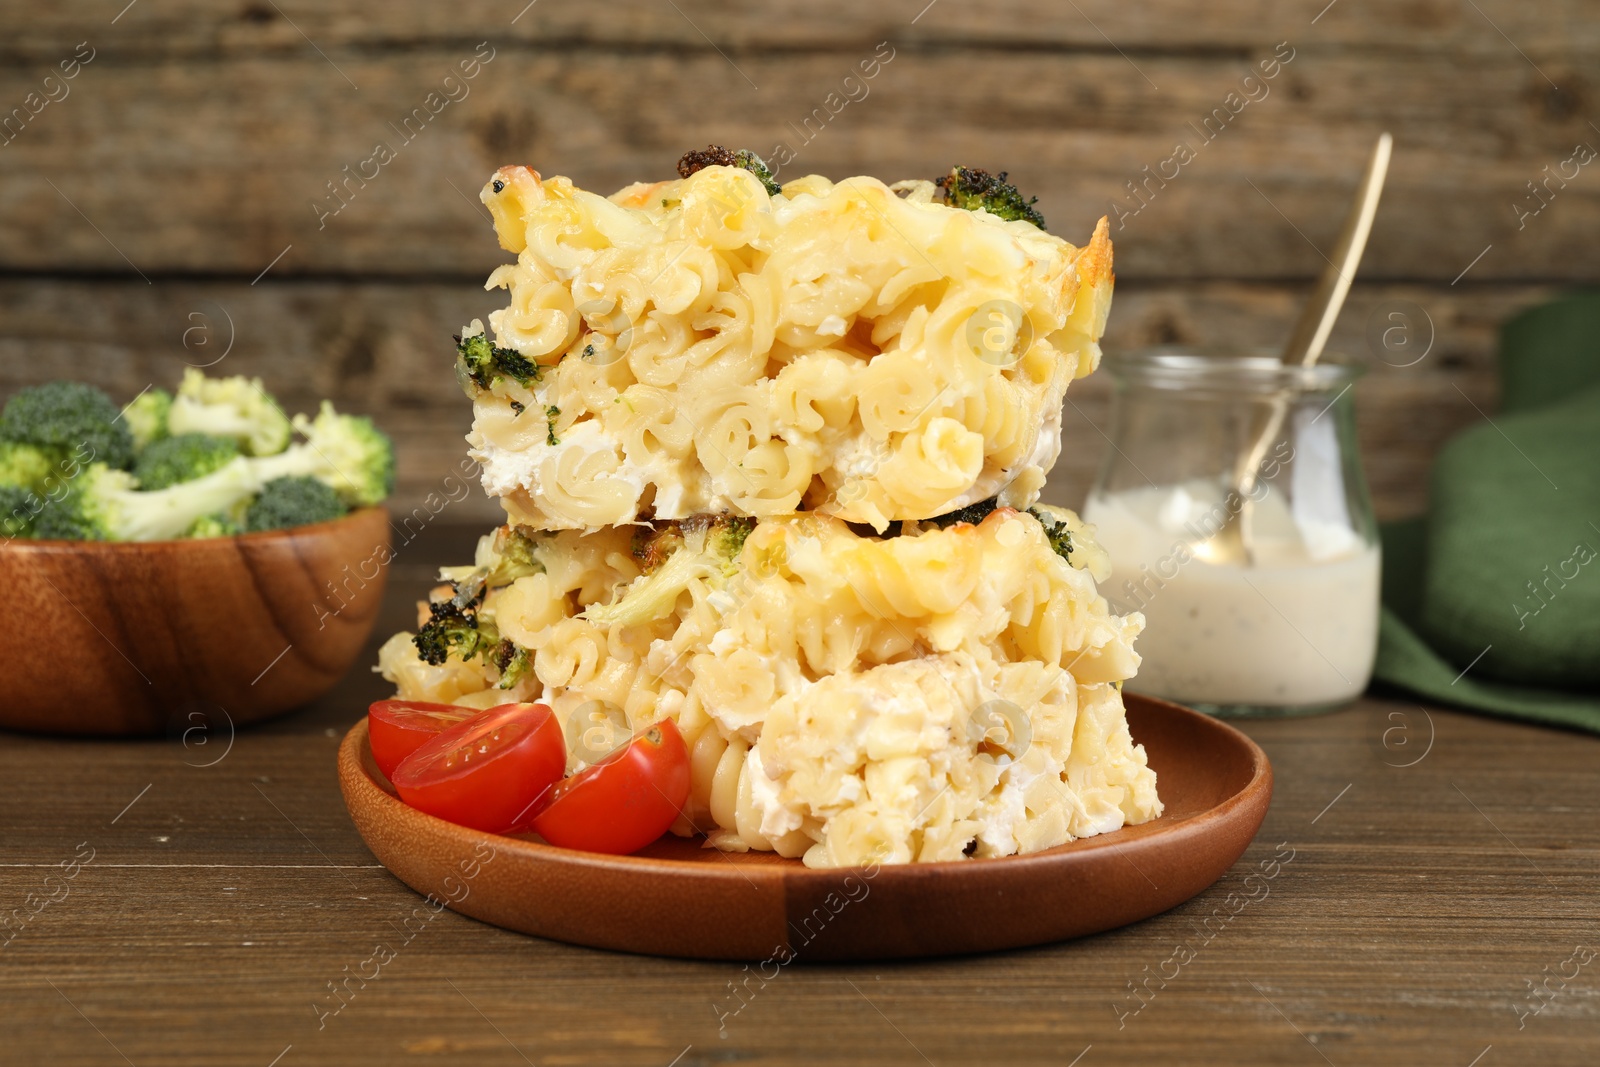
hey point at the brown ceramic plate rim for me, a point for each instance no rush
(176, 543)
(356, 767)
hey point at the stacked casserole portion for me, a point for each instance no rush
(770, 463)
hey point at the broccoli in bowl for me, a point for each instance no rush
(218, 458)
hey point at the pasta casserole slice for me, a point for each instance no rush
(717, 343)
(943, 692)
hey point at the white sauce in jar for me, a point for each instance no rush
(1298, 628)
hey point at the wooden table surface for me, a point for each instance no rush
(1443, 865)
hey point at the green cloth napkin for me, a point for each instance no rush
(1492, 601)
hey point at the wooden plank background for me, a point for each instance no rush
(164, 206)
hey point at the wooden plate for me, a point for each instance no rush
(677, 898)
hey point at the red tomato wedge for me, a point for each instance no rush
(489, 773)
(625, 801)
(398, 728)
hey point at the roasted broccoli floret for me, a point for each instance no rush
(1056, 531)
(654, 545)
(482, 363)
(453, 627)
(213, 526)
(182, 458)
(69, 419)
(973, 513)
(727, 535)
(235, 407)
(716, 156)
(514, 558)
(146, 416)
(347, 452)
(512, 661)
(551, 414)
(298, 501)
(101, 504)
(18, 506)
(969, 188)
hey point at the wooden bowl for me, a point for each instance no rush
(677, 898)
(125, 639)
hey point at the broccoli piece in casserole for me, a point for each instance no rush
(727, 535)
(512, 661)
(515, 556)
(716, 156)
(973, 513)
(973, 189)
(453, 628)
(481, 363)
(1056, 531)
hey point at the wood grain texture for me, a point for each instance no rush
(217, 164)
(219, 907)
(189, 27)
(125, 639)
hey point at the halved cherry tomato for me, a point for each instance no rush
(625, 801)
(398, 728)
(488, 773)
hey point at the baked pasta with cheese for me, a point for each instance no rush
(770, 457)
(847, 698)
(717, 344)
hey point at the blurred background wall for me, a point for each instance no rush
(289, 189)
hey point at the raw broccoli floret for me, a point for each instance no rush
(182, 458)
(213, 526)
(969, 188)
(18, 506)
(453, 627)
(716, 156)
(101, 504)
(69, 418)
(973, 513)
(482, 363)
(146, 416)
(235, 407)
(287, 502)
(1056, 532)
(347, 452)
(28, 466)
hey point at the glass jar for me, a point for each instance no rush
(1258, 576)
